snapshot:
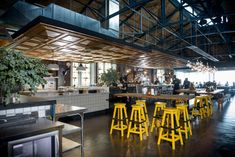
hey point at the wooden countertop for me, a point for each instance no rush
(162, 96)
(198, 91)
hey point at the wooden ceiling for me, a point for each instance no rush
(50, 42)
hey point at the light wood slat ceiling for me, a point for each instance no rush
(49, 42)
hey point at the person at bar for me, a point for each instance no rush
(176, 83)
(186, 83)
(156, 81)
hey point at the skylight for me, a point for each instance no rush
(209, 21)
(188, 8)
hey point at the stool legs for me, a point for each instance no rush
(119, 116)
(174, 128)
(186, 128)
(112, 123)
(138, 121)
(159, 106)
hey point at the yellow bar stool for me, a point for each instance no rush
(119, 120)
(157, 114)
(143, 102)
(137, 123)
(199, 109)
(208, 104)
(184, 116)
(170, 127)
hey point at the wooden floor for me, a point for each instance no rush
(212, 137)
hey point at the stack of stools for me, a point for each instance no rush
(184, 119)
(157, 114)
(199, 108)
(143, 102)
(170, 127)
(120, 120)
(137, 123)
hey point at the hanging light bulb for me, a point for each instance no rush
(200, 67)
(53, 67)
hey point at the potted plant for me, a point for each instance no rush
(110, 77)
(16, 71)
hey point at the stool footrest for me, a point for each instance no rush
(119, 119)
(158, 116)
(170, 128)
(137, 122)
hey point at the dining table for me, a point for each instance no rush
(159, 96)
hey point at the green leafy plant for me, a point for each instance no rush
(17, 70)
(110, 77)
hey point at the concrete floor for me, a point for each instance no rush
(212, 137)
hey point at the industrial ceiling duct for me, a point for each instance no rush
(203, 53)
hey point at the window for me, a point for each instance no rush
(114, 21)
(82, 78)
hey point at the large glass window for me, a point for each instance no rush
(103, 67)
(221, 77)
(82, 78)
(195, 77)
(114, 21)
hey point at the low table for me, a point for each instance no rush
(62, 110)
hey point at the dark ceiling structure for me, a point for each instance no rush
(192, 29)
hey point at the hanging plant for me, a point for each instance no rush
(17, 70)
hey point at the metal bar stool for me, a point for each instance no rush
(119, 118)
(170, 127)
(137, 123)
(157, 114)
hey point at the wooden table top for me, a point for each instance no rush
(217, 91)
(162, 96)
(186, 91)
(200, 91)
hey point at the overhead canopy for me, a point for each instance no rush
(54, 40)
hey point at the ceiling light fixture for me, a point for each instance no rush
(81, 67)
(53, 66)
(203, 53)
(200, 67)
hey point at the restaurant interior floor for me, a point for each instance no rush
(212, 137)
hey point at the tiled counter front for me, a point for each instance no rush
(93, 101)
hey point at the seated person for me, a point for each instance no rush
(192, 87)
(156, 81)
(186, 84)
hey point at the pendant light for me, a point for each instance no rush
(81, 67)
(53, 66)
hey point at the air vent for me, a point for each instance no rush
(4, 34)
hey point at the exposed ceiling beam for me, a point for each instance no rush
(85, 7)
(90, 8)
(203, 53)
(129, 16)
(126, 8)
